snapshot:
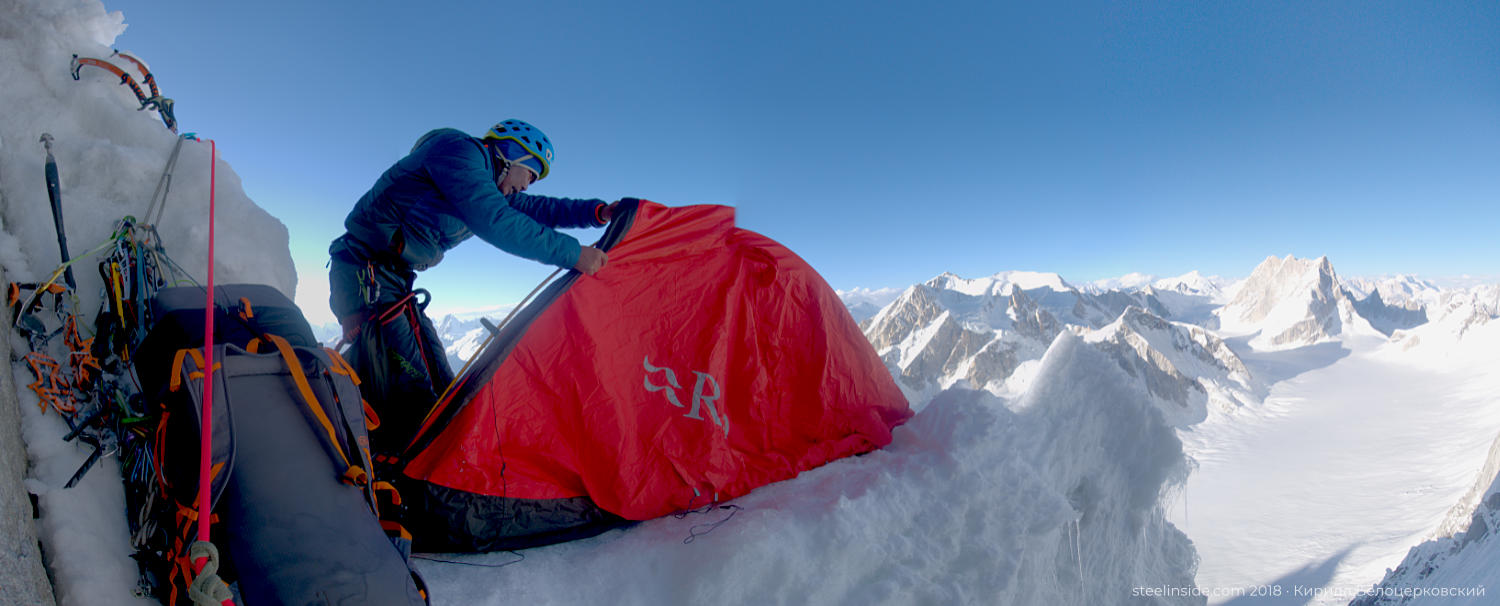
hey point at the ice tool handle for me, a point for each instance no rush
(54, 192)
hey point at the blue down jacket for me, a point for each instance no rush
(443, 192)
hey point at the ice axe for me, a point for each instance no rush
(54, 191)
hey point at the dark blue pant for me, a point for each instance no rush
(393, 345)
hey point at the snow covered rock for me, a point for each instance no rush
(1401, 290)
(1191, 298)
(934, 337)
(978, 333)
(1185, 368)
(1292, 302)
(23, 579)
(1388, 318)
(463, 333)
(1460, 557)
(1465, 325)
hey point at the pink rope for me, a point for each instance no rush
(205, 444)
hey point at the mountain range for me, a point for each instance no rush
(1172, 335)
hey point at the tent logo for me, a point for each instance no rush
(705, 391)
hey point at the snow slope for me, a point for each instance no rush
(1352, 457)
(1460, 554)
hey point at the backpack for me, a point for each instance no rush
(296, 511)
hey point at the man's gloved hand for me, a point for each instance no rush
(590, 260)
(607, 213)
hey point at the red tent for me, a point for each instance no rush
(704, 361)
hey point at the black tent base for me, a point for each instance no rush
(444, 520)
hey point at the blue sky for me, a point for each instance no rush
(885, 142)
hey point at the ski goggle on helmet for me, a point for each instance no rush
(523, 143)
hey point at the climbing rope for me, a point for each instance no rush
(207, 589)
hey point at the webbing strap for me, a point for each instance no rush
(386, 487)
(372, 420)
(177, 360)
(393, 528)
(341, 366)
(357, 476)
(188, 513)
(305, 389)
(396, 308)
(247, 313)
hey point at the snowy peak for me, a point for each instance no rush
(463, 333)
(999, 284)
(1409, 292)
(1291, 302)
(917, 307)
(1478, 301)
(1184, 368)
(1031, 320)
(1389, 318)
(1130, 281)
(1278, 282)
(1455, 316)
(951, 331)
(1191, 283)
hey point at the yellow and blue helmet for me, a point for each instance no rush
(523, 143)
